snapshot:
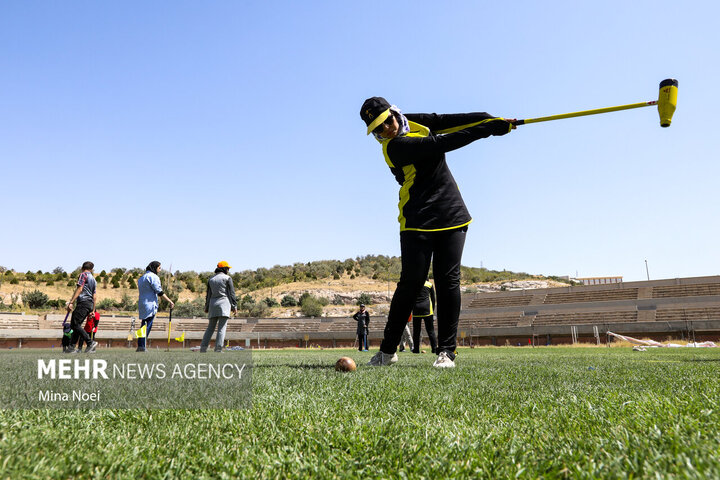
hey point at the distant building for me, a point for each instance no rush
(599, 280)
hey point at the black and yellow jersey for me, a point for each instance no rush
(429, 197)
(425, 302)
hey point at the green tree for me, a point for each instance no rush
(35, 299)
(311, 307)
(288, 301)
(106, 304)
(364, 299)
(127, 304)
(164, 305)
(196, 308)
(270, 302)
(303, 298)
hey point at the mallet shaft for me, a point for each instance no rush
(586, 112)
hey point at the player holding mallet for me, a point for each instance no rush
(433, 217)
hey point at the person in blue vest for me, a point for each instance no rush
(433, 217)
(149, 293)
(424, 311)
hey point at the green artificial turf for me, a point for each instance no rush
(550, 412)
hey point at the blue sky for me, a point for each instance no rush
(191, 132)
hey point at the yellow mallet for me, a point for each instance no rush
(666, 103)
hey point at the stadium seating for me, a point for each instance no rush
(578, 318)
(686, 290)
(580, 296)
(687, 314)
(29, 322)
(501, 301)
(653, 306)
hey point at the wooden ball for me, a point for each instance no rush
(345, 364)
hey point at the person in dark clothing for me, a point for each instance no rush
(67, 335)
(362, 318)
(85, 294)
(424, 311)
(433, 217)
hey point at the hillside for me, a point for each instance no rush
(343, 291)
(333, 287)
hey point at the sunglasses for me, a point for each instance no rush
(388, 121)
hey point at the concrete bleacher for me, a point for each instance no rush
(686, 290)
(17, 322)
(645, 308)
(578, 318)
(501, 301)
(687, 314)
(580, 296)
(490, 320)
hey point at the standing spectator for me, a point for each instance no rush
(149, 291)
(220, 302)
(85, 294)
(363, 322)
(433, 216)
(424, 310)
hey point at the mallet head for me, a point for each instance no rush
(667, 101)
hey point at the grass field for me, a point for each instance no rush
(553, 412)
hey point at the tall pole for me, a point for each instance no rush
(647, 271)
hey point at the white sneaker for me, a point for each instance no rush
(380, 359)
(444, 361)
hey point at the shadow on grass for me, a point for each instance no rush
(693, 360)
(317, 366)
(361, 366)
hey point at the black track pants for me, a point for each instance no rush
(417, 249)
(429, 328)
(79, 315)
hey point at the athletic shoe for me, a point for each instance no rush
(444, 361)
(380, 359)
(91, 348)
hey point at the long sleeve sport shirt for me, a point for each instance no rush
(429, 197)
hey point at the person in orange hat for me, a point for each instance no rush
(220, 303)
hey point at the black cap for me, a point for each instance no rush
(372, 108)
